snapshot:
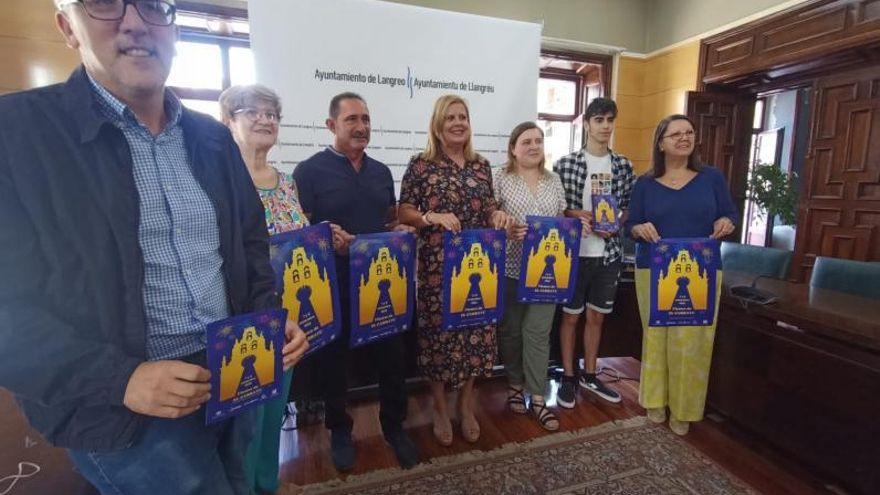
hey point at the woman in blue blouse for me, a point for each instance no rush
(679, 197)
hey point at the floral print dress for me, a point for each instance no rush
(444, 187)
(283, 211)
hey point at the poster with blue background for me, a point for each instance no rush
(382, 285)
(684, 276)
(606, 214)
(244, 358)
(305, 278)
(548, 267)
(473, 278)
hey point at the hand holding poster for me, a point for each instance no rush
(473, 278)
(382, 285)
(549, 260)
(606, 214)
(684, 273)
(305, 276)
(244, 358)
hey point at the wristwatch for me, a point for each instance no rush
(425, 217)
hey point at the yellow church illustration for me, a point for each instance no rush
(604, 212)
(683, 266)
(474, 263)
(383, 267)
(301, 272)
(253, 345)
(552, 246)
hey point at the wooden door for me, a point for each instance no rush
(724, 123)
(840, 191)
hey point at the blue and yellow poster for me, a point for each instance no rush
(305, 277)
(606, 214)
(473, 278)
(549, 260)
(244, 358)
(382, 285)
(684, 273)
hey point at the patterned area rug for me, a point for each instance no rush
(631, 457)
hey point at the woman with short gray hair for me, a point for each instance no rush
(253, 114)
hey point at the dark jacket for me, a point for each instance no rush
(72, 317)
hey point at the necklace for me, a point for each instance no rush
(674, 181)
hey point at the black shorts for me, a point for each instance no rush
(595, 287)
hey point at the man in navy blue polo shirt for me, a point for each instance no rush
(344, 186)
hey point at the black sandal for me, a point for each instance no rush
(545, 416)
(516, 401)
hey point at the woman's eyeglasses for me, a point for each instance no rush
(678, 136)
(254, 115)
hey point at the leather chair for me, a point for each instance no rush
(766, 261)
(861, 278)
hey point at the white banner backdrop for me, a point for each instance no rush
(400, 58)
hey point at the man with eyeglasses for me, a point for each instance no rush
(595, 169)
(129, 224)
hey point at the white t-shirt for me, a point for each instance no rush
(598, 182)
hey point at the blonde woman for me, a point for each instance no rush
(449, 187)
(526, 187)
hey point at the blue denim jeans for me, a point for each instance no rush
(174, 456)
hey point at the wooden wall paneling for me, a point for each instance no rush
(25, 63)
(723, 122)
(840, 196)
(33, 19)
(797, 36)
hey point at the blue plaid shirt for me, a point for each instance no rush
(184, 288)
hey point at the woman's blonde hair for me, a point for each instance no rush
(514, 136)
(435, 130)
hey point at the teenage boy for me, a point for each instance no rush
(595, 169)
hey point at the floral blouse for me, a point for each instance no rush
(517, 200)
(283, 211)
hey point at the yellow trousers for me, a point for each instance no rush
(675, 360)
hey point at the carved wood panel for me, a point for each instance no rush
(840, 194)
(797, 36)
(722, 123)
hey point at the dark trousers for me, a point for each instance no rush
(387, 356)
(179, 456)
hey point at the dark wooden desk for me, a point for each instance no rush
(836, 315)
(804, 373)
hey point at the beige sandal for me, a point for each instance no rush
(470, 433)
(516, 401)
(548, 420)
(443, 432)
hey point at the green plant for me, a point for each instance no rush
(772, 190)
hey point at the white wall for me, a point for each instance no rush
(400, 58)
(607, 22)
(640, 26)
(780, 114)
(671, 21)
